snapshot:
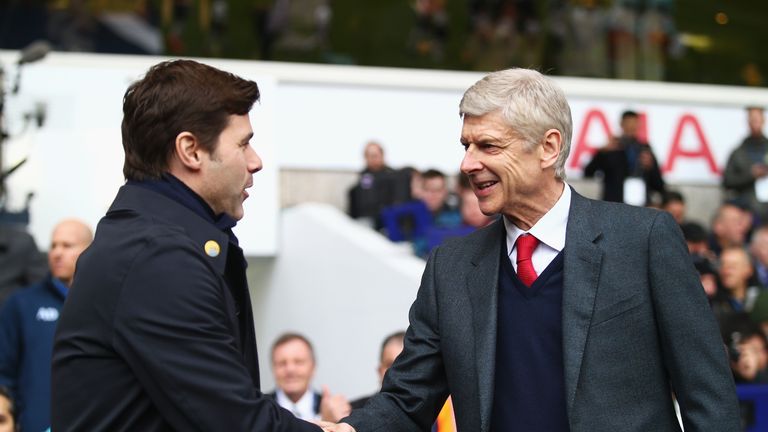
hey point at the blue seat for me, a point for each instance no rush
(404, 222)
(758, 395)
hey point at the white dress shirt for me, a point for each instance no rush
(550, 230)
(304, 408)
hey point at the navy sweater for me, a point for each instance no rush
(529, 393)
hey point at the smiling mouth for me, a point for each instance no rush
(485, 185)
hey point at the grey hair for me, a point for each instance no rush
(530, 104)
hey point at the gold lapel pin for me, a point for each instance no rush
(212, 248)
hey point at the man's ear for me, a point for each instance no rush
(188, 150)
(551, 148)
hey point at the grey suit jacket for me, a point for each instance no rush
(636, 328)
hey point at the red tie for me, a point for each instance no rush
(525, 245)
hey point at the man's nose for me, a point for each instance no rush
(254, 161)
(470, 163)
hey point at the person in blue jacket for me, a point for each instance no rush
(27, 323)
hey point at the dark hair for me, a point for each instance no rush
(173, 97)
(397, 336)
(288, 337)
(4, 392)
(672, 196)
(694, 232)
(628, 113)
(431, 174)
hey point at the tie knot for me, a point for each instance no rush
(525, 245)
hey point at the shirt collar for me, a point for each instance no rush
(550, 229)
(304, 406)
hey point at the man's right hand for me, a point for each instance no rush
(759, 170)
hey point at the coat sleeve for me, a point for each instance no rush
(415, 386)
(172, 329)
(693, 352)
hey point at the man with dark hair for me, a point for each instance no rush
(627, 158)
(157, 333)
(566, 314)
(673, 203)
(390, 349)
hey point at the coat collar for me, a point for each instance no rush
(582, 261)
(482, 285)
(208, 239)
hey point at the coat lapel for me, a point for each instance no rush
(482, 285)
(583, 259)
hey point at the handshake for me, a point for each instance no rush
(332, 409)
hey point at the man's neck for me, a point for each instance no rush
(528, 213)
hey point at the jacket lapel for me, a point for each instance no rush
(583, 259)
(482, 285)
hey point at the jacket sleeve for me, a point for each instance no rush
(10, 345)
(738, 172)
(693, 352)
(415, 386)
(653, 177)
(172, 329)
(594, 165)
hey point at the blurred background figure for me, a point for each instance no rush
(673, 202)
(27, 324)
(747, 166)
(758, 248)
(293, 364)
(739, 294)
(8, 420)
(376, 188)
(435, 195)
(626, 158)
(21, 264)
(730, 227)
(390, 349)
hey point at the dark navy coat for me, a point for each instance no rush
(157, 332)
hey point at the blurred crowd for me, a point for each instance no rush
(627, 39)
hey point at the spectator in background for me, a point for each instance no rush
(673, 202)
(8, 419)
(758, 247)
(730, 227)
(21, 264)
(293, 364)
(627, 158)
(375, 188)
(390, 349)
(739, 294)
(697, 237)
(435, 196)
(27, 325)
(747, 349)
(703, 259)
(747, 164)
